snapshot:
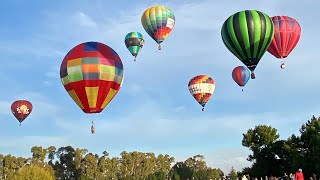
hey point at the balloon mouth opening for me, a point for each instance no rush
(92, 111)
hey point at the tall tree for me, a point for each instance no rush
(257, 139)
(89, 166)
(38, 155)
(65, 168)
(310, 138)
(233, 174)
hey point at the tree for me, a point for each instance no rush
(273, 156)
(181, 169)
(214, 173)
(89, 166)
(257, 139)
(233, 174)
(35, 172)
(38, 155)
(51, 154)
(310, 146)
(65, 168)
(11, 165)
(260, 140)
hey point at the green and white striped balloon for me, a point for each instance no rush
(248, 34)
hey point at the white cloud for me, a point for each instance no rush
(226, 158)
(85, 20)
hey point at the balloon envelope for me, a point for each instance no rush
(286, 36)
(241, 75)
(134, 42)
(201, 88)
(248, 34)
(92, 74)
(158, 22)
(21, 109)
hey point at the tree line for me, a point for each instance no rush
(270, 156)
(79, 164)
(273, 156)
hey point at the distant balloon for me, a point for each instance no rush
(248, 34)
(241, 75)
(21, 109)
(286, 37)
(158, 22)
(92, 74)
(93, 129)
(201, 88)
(134, 42)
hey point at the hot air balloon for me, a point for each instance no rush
(201, 88)
(248, 34)
(93, 129)
(21, 109)
(92, 74)
(286, 37)
(134, 42)
(241, 75)
(158, 21)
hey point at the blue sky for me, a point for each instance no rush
(154, 110)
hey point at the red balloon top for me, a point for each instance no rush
(286, 36)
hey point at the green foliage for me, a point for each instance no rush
(68, 163)
(34, 172)
(296, 152)
(233, 174)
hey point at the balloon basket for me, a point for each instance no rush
(253, 76)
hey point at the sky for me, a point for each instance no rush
(153, 111)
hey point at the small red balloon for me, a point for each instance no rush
(21, 109)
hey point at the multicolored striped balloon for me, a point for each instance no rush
(21, 109)
(241, 75)
(134, 42)
(92, 74)
(201, 88)
(286, 37)
(248, 34)
(158, 21)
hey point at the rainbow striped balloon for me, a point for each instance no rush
(158, 22)
(92, 74)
